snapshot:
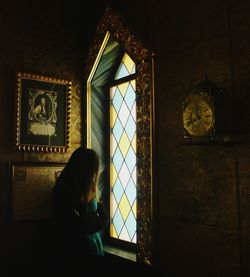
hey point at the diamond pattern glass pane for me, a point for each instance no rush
(131, 225)
(131, 192)
(123, 168)
(124, 234)
(123, 114)
(117, 100)
(126, 68)
(130, 159)
(124, 207)
(118, 191)
(118, 159)
(130, 96)
(130, 127)
(118, 221)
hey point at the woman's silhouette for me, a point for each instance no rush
(79, 215)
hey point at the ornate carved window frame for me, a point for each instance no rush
(111, 23)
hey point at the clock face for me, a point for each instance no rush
(198, 117)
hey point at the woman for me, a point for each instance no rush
(79, 216)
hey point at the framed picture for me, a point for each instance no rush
(31, 189)
(42, 113)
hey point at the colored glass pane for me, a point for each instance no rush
(130, 65)
(113, 205)
(134, 238)
(123, 88)
(134, 175)
(113, 145)
(117, 100)
(124, 207)
(124, 175)
(131, 224)
(126, 68)
(118, 160)
(113, 233)
(123, 155)
(117, 130)
(118, 221)
(113, 116)
(131, 192)
(130, 159)
(124, 234)
(133, 111)
(124, 144)
(130, 96)
(118, 191)
(123, 114)
(133, 143)
(121, 72)
(133, 84)
(134, 208)
(113, 174)
(130, 127)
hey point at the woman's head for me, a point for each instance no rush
(81, 171)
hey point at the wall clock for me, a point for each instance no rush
(199, 115)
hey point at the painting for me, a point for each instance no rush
(31, 189)
(43, 107)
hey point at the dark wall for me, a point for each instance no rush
(203, 190)
(49, 38)
(202, 194)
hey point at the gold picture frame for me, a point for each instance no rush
(43, 108)
(31, 189)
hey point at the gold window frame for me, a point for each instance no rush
(111, 23)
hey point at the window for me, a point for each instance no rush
(120, 129)
(123, 170)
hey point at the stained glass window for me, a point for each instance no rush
(123, 170)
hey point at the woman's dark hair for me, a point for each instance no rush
(80, 169)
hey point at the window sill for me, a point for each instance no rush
(120, 252)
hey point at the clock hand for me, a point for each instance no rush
(198, 113)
